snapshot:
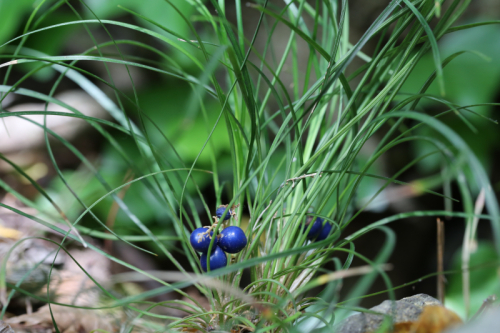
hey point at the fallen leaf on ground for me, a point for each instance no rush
(9, 233)
(435, 319)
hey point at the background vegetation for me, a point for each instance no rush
(189, 104)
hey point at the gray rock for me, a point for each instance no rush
(406, 309)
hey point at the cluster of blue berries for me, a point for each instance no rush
(231, 240)
(318, 231)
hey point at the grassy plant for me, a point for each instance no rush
(294, 151)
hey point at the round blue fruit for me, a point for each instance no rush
(325, 232)
(315, 229)
(220, 211)
(232, 239)
(218, 259)
(200, 240)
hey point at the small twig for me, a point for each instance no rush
(213, 317)
(232, 211)
(211, 227)
(262, 213)
(478, 208)
(9, 63)
(469, 246)
(440, 253)
(293, 180)
(29, 306)
(486, 304)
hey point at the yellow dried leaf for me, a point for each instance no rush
(435, 319)
(9, 233)
(404, 327)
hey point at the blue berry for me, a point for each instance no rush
(325, 232)
(218, 259)
(220, 211)
(315, 229)
(200, 241)
(232, 239)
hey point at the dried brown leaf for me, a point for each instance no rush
(435, 319)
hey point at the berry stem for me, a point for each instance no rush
(233, 211)
(211, 227)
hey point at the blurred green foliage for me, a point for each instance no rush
(12, 16)
(163, 101)
(165, 104)
(471, 78)
(159, 11)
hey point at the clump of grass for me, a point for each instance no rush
(294, 152)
